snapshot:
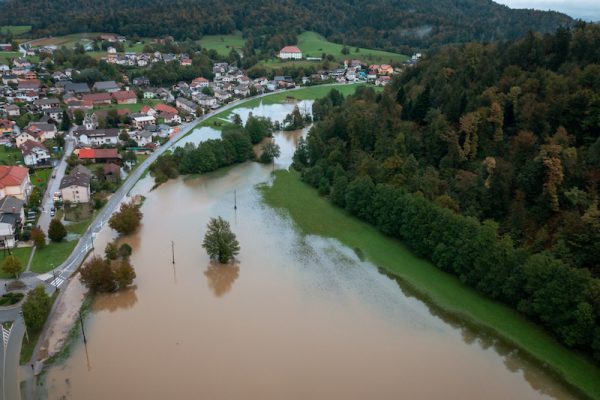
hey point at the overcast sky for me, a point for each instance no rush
(584, 9)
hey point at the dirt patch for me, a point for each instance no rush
(65, 315)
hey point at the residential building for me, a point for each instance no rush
(165, 108)
(290, 53)
(100, 155)
(23, 137)
(97, 137)
(14, 181)
(140, 121)
(35, 153)
(76, 88)
(97, 98)
(125, 97)
(11, 219)
(185, 104)
(44, 104)
(106, 86)
(75, 188)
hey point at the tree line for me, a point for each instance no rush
(355, 23)
(234, 147)
(485, 161)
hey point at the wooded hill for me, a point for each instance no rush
(484, 159)
(382, 24)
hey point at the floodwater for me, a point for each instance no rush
(296, 317)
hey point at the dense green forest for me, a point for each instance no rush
(484, 159)
(367, 23)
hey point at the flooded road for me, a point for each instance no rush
(297, 317)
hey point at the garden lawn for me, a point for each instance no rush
(316, 215)
(223, 43)
(134, 108)
(22, 253)
(314, 45)
(10, 156)
(53, 255)
(40, 178)
(6, 56)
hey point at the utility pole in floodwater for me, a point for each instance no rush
(173, 251)
(235, 199)
(82, 330)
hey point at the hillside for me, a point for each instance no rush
(381, 24)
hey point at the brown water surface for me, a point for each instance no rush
(297, 317)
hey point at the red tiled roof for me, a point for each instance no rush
(290, 49)
(124, 95)
(165, 108)
(93, 97)
(98, 153)
(12, 176)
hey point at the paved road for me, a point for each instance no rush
(53, 186)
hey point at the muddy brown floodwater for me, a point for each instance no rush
(297, 317)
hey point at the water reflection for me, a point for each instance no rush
(221, 277)
(111, 302)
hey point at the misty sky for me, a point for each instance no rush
(584, 9)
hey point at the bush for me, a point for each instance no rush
(39, 237)
(36, 309)
(56, 231)
(12, 265)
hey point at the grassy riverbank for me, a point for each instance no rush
(316, 215)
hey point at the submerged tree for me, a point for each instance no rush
(219, 241)
(270, 151)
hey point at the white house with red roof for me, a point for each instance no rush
(125, 97)
(290, 53)
(14, 181)
(200, 82)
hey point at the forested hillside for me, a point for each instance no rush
(384, 24)
(484, 159)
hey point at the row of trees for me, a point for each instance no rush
(235, 146)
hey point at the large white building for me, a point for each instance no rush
(290, 53)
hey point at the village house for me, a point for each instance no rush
(35, 153)
(75, 188)
(140, 121)
(14, 181)
(97, 137)
(6, 127)
(149, 94)
(76, 88)
(100, 155)
(141, 81)
(97, 98)
(125, 97)
(170, 118)
(29, 84)
(185, 105)
(382, 80)
(44, 104)
(165, 108)
(42, 131)
(55, 114)
(147, 110)
(142, 137)
(112, 172)
(206, 101)
(199, 83)
(290, 53)
(12, 110)
(12, 216)
(106, 86)
(24, 136)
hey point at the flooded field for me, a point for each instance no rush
(296, 317)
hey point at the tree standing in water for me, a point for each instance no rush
(219, 241)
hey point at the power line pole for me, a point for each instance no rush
(82, 330)
(173, 251)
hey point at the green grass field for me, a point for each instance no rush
(22, 253)
(314, 45)
(315, 215)
(7, 56)
(10, 156)
(223, 43)
(40, 178)
(307, 93)
(51, 256)
(16, 30)
(131, 107)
